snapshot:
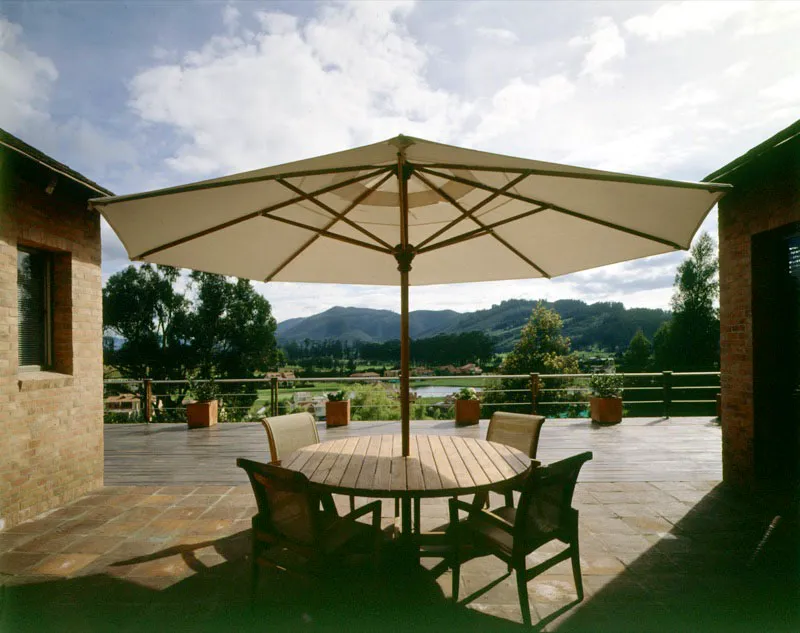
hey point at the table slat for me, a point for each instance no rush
(460, 469)
(398, 464)
(321, 473)
(353, 469)
(428, 464)
(443, 467)
(383, 472)
(483, 459)
(366, 479)
(318, 452)
(490, 448)
(415, 481)
(475, 470)
(517, 464)
(340, 465)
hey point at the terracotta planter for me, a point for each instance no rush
(202, 414)
(337, 413)
(468, 412)
(606, 410)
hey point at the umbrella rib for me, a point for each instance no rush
(480, 205)
(461, 209)
(254, 214)
(337, 216)
(470, 235)
(101, 202)
(608, 177)
(333, 236)
(556, 208)
(359, 199)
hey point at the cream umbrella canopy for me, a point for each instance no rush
(372, 214)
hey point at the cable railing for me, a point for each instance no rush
(663, 393)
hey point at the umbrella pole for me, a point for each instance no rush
(404, 254)
(405, 383)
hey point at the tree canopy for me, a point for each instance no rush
(542, 347)
(225, 330)
(637, 357)
(690, 342)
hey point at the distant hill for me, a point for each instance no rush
(607, 326)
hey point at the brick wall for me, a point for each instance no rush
(51, 422)
(765, 197)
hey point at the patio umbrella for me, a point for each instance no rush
(409, 212)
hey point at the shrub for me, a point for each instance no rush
(606, 385)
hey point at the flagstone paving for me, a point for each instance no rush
(662, 556)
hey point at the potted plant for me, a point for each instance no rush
(605, 405)
(337, 409)
(204, 412)
(468, 407)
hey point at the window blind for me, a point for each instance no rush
(32, 294)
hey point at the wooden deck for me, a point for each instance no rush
(639, 449)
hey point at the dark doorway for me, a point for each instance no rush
(776, 354)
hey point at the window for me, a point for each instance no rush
(34, 284)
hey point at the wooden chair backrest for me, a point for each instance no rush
(287, 433)
(287, 506)
(518, 430)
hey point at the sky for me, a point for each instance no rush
(143, 95)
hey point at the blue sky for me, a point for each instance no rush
(141, 95)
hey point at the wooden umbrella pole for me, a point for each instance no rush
(404, 254)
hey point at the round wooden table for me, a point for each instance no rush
(439, 466)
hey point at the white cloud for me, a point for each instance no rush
(691, 96)
(503, 36)
(605, 46)
(26, 80)
(351, 75)
(677, 19)
(784, 92)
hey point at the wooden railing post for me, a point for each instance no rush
(274, 395)
(666, 386)
(148, 400)
(534, 391)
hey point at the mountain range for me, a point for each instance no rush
(606, 326)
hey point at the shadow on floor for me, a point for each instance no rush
(703, 575)
(217, 598)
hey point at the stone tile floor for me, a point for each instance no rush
(661, 556)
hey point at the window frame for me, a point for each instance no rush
(47, 257)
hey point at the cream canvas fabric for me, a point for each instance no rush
(472, 216)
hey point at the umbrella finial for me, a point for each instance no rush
(401, 141)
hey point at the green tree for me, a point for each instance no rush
(637, 356)
(542, 348)
(232, 328)
(141, 305)
(691, 341)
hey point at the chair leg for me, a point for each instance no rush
(417, 515)
(352, 503)
(576, 569)
(455, 566)
(522, 591)
(509, 495)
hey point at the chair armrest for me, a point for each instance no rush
(495, 520)
(373, 507)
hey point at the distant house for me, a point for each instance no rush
(123, 403)
(51, 334)
(470, 368)
(392, 373)
(421, 371)
(282, 376)
(365, 374)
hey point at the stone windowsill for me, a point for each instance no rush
(30, 380)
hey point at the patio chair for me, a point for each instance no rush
(544, 514)
(298, 530)
(518, 430)
(287, 433)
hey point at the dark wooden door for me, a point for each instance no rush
(776, 353)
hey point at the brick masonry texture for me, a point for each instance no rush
(765, 197)
(52, 422)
